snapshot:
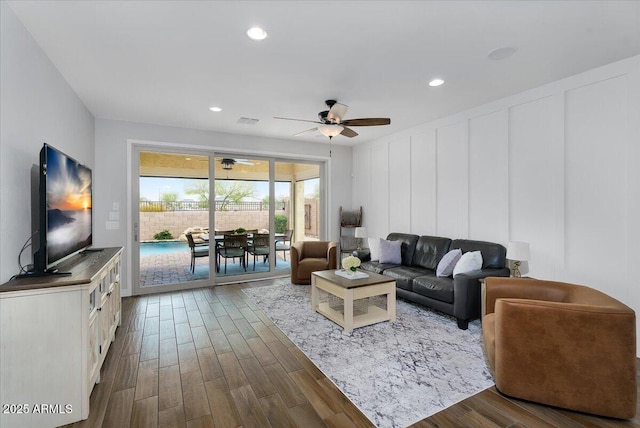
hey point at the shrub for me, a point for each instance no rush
(280, 221)
(241, 230)
(165, 234)
(151, 208)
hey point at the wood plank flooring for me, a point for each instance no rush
(211, 358)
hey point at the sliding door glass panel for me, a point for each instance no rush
(302, 201)
(242, 224)
(173, 219)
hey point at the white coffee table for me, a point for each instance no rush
(350, 290)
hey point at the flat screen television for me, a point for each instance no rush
(65, 219)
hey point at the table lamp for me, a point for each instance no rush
(361, 233)
(518, 252)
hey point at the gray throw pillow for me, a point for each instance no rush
(390, 252)
(448, 262)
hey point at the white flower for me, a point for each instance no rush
(350, 263)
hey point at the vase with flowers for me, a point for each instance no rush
(350, 264)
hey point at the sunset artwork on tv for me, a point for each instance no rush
(68, 201)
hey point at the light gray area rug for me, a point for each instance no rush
(395, 373)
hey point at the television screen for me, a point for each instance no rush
(68, 205)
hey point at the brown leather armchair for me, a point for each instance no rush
(311, 256)
(561, 344)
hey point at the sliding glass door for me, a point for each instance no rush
(190, 231)
(243, 232)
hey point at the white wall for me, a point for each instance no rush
(37, 106)
(556, 166)
(112, 149)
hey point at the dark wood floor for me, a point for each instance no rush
(211, 358)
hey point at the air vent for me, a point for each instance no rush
(247, 121)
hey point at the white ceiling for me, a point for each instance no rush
(166, 62)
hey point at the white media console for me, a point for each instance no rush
(54, 335)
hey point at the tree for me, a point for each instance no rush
(169, 199)
(233, 191)
(199, 188)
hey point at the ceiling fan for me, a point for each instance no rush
(228, 163)
(331, 122)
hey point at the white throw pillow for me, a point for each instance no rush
(448, 263)
(468, 263)
(374, 249)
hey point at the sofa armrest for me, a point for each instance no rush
(332, 254)
(467, 292)
(296, 253)
(577, 355)
(364, 255)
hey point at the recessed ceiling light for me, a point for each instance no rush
(501, 53)
(256, 33)
(436, 82)
(216, 109)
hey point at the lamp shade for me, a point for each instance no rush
(361, 232)
(330, 130)
(517, 250)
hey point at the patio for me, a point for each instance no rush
(173, 267)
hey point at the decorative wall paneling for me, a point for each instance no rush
(556, 166)
(400, 184)
(424, 173)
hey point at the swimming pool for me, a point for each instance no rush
(157, 248)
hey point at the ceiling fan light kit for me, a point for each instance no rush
(330, 130)
(227, 163)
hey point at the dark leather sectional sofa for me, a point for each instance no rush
(416, 278)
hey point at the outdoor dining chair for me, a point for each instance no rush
(197, 250)
(284, 244)
(259, 247)
(234, 246)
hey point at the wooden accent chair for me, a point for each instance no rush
(561, 344)
(311, 256)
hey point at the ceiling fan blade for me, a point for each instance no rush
(348, 132)
(299, 120)
(308, 131)
(244, 162)
(371, 121)
(337, 112)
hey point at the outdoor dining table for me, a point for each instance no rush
(220, 238)
(219, 241)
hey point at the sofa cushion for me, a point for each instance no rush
(404, 275)
(408, 245)
(469, 262)
(448, 262)
(429, 251)
(493, 255)
(376, 267)
(390, 252)
(434, 287)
